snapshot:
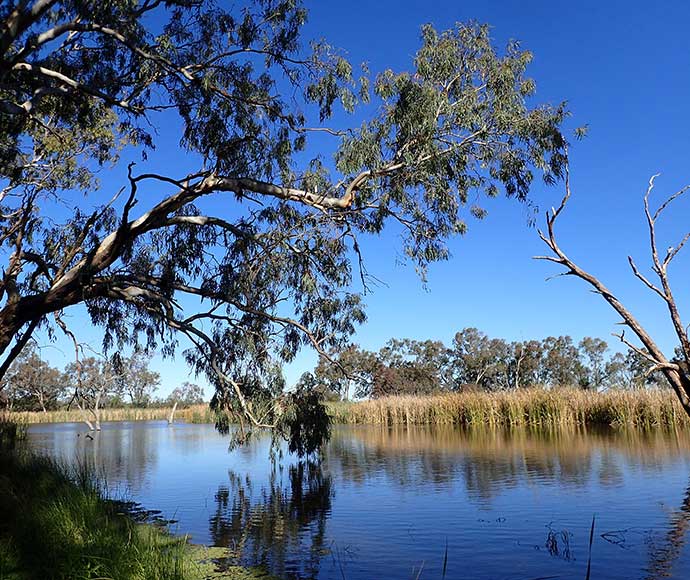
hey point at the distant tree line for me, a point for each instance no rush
(93, 383)
(476, 361)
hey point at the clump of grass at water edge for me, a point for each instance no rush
(56, 523)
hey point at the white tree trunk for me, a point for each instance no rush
(171, 418)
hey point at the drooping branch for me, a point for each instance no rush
(18, 346)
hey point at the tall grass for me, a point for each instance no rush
(192, 414)
(57, 523)
(555, 408)
(526, 408)
(54, 523)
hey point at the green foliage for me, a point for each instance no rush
(304, 422)
(475, 361)
(274, 269)
(33, 384)
(352, 373)
(186, 394)
(135, 379)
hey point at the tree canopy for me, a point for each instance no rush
(273, 268)
(475, 361)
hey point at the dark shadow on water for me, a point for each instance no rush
(403, 493)
(663, 554)
(270, 525)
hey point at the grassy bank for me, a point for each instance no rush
(193, 414)
(530, 408)
(55, 524)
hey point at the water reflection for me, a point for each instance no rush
(489, 462)
(385, 500)
(664, 554)
(271, 525)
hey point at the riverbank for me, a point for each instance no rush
(193, 414)
(56, 523)
(536, 408)
(539, 408)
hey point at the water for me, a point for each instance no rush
(385, 503)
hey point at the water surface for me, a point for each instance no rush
(401, 503)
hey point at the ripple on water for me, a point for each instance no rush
(385, 503)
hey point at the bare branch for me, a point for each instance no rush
(646, 282)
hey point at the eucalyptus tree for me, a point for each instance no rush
(593, 360)
(93, 380)
(561, 365)
(33, 384)
(271, 268)
(476, 359)
(410, 367)
(186, 394)
(525, 363)
(137, 380)
(349, 372)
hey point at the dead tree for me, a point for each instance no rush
(674, 370)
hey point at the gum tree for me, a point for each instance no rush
(33, 383)
(270, 269)
(138, 381)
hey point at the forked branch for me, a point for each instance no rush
(674, 372)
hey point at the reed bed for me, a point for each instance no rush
(192, 414)
(556, 408)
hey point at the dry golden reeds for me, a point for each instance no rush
(192, 414)
(541, 408)
(555, 408)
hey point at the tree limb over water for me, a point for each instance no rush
(252, 254)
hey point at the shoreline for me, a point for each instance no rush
(535, 408)
(57, 521)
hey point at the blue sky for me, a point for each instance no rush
(624, 68)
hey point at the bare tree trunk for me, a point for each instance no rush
(89, 424)
(97, 412)
(675, 373)
(171, 418)
(517, 369)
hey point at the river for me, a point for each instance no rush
(400, 503)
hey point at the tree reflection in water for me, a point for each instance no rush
(489, 462)
(282, 520)
(664, 554)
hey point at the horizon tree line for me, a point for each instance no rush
(91, 384)
(475, 361)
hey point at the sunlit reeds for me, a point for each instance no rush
(193, 414)
(540, 408)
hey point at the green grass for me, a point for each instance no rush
(535, 408)
(56, 524)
